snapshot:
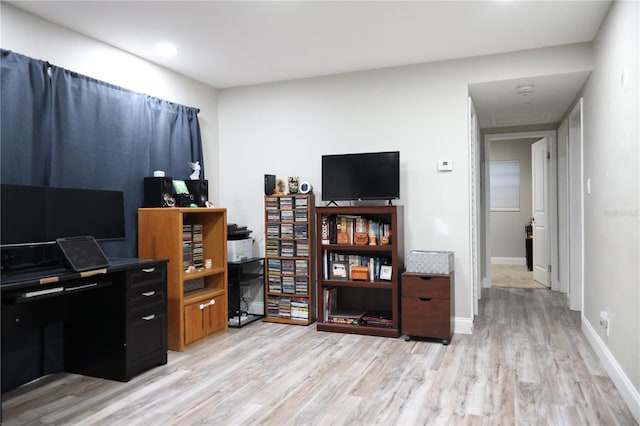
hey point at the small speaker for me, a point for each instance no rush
(184, 200)
(269, 184)
(200, 191)
(158, 192)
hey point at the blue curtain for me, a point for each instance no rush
(25, 120)
(63, 129)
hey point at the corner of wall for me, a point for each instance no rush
(629, 394)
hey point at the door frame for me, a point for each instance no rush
(551, 197)
(563, 206)
(476, 205)
(575, 291)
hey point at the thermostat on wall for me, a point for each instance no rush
(445, 165)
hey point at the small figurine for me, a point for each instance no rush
(196, 170)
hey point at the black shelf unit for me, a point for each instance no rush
(246, 283)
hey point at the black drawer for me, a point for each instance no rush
(146, 292)
(146, 337)
(145, 277)
(146, 302)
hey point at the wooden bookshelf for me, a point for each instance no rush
(196, 297)
(290, 295)
(375, 296)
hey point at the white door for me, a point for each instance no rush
(539, 178)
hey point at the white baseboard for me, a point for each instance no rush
(463, 325)
(508, 260)
(486, 282)
(629, 394)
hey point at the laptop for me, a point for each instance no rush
(83, 253)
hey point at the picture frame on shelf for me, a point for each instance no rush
(386, 272)
(338, 270)
(281, 187)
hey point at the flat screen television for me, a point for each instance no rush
(33, 215)
(364, 176)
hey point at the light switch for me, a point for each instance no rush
(445, 165)
(588, 185)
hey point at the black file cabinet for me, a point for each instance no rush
(124, 331)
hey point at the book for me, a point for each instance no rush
(286, 216)
(301, 285)
(330, 301)
(299, 309)
(378, 319)
(284, 307)
(325, 230)
(346, 317)
(197, 249)
(187, 246)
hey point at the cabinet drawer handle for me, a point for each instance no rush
(425, 278)
(149, 293)
(147, 270)
(204, 305)
(149, 317)
(425, 299)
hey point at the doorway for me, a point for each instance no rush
(525, 139)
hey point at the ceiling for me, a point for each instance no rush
(235, 43)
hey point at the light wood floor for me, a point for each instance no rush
(526, 363)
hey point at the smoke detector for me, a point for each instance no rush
(525, 90)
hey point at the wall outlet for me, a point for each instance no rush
(605, 322)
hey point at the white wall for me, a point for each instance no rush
(31, 36)
(612, 209)
(421, 110)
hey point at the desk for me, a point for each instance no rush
(111, 324)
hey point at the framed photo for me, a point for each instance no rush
(339, 270)
(385, 272)
(281, 187)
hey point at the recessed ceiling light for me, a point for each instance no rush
(525, 90)
(166, 49)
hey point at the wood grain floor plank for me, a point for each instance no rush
(526, 363)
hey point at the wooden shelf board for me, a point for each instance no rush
(359, 329)
(358, 248)
(293, 296)
(201, 273)
(287, 321)
(358, 284)
(202, 294)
